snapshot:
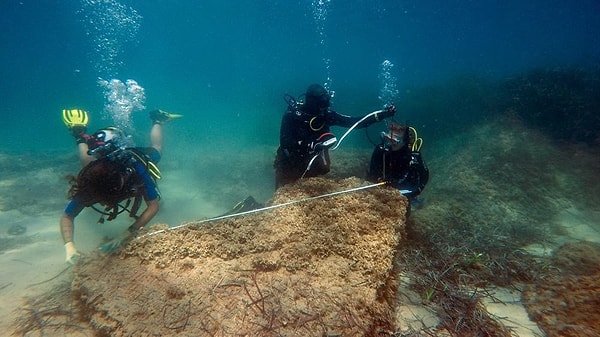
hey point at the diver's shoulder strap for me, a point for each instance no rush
(144, 159)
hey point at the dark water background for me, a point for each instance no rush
(227, 64)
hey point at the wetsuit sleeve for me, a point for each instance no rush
(74, 208)
(347, 121)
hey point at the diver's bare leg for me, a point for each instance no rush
(84, 157)
(156, 137)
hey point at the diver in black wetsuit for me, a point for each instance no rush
(305, 136)
(398, 161)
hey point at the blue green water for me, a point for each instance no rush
(226, 65)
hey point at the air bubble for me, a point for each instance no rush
(110, 25)
(121, 100)
(389, 91)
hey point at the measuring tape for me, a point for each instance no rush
(260, 209)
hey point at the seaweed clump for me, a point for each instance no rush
(51, 314)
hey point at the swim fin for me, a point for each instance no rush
(76, 120)
(162, 117)
(245, 205)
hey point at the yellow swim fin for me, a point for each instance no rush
(75, 119)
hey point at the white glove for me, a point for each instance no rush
(72, 253)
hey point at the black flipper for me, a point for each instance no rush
(245, 205)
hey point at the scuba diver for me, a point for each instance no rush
(115, 175)
(398, 161)
(305, 136)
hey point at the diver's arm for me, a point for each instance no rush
(348, 121)
(66, 228)
(147, 214)
(337, 119)
(373, 117)
(67, 221)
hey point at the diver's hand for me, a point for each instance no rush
(116, 243)
(72, 253)
(389, 111)
(325, 141)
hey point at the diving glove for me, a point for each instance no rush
(389, 111)
(72, 253)
(76, 120)
(162, 117)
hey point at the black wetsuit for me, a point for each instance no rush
(403, 169)
(299, 131)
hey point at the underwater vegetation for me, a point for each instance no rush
(507, 159)
(469, 235)
(500, 178)
(564, 102)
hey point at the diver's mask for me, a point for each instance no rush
(107, 142)
(394, 139)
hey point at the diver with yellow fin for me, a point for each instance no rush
(115, 176)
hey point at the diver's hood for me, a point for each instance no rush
(317, 99)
